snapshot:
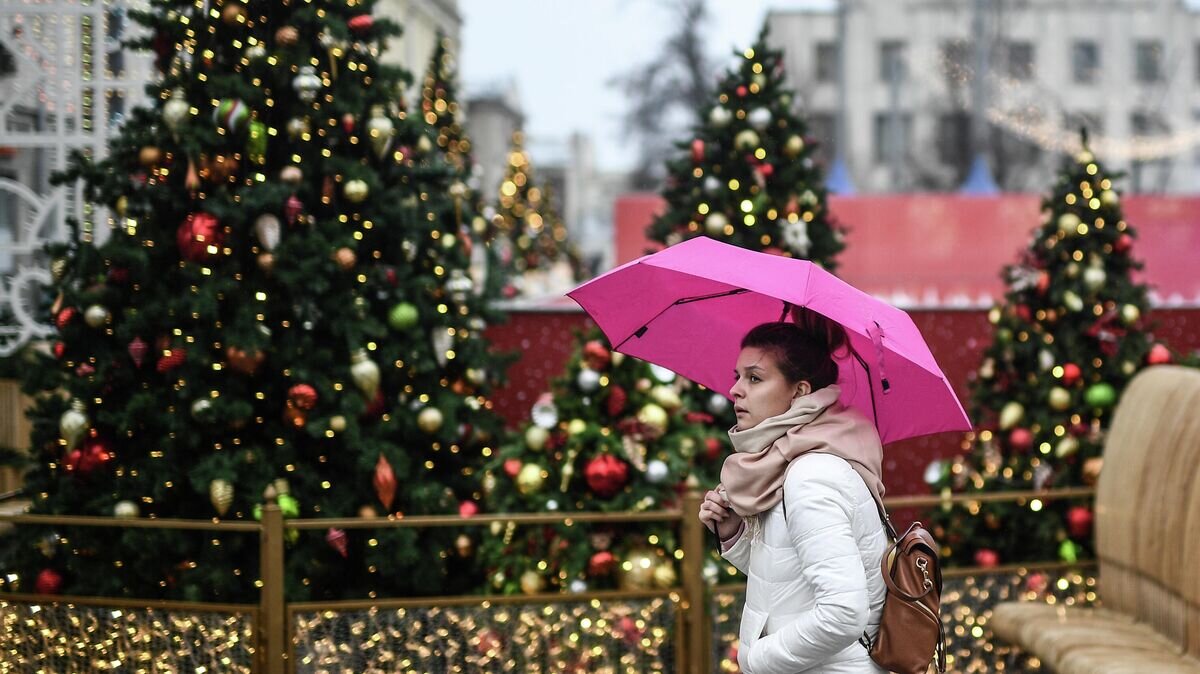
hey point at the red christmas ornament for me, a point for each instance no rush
(488, 642)
(741, 90)
(336, 538)
(468, 509)
(712, 448)
(93, 454)
(303, 396)
(767, 170)
(199, 237)
(137, 350)
(601, 564)
(617, 397)
(1071, 374)
(292, 209)
(361, 24)
(392, 278)
(376, 408)
(987, 558)
(697, 150)
(170, 360)
(385, 483)
(84, 370)
(59, 349)
(512, 467)
(1123, 244)
(1043, 283)
(48, 581)
(1023, 312)
(606, 474)
(348, 123)
(1159, 355)
(1021, 439)
(65, 317)
(246, 362)
(629, 631)
(597, 355)
(698, 418)
(1037, 583)
(118, 275)
(1079, 521)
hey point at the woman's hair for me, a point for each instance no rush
(803, 349)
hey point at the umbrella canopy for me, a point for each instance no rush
(688, 306)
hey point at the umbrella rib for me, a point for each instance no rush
(683, 300)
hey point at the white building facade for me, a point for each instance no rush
(919, 73)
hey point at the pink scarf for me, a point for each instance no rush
(753, 475)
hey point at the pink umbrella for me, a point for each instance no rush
(688, 306)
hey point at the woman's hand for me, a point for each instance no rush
(718, 517)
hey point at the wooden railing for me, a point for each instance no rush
(273, 615)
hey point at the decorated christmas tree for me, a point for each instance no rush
(536, 257)
(748, 176)
(612, 436)
(282, 305)
(1068, 336)
(441, 110)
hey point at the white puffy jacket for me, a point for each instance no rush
(814, 584)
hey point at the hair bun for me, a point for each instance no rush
(828, 334)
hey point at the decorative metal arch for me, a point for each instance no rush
(69, 86)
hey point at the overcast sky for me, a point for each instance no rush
(561, 54)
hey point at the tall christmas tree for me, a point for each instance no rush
(614, 436)
(531, 239)
(442, 111)
(748, 176)
(283, 304)
(1068, 337)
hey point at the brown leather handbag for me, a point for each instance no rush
(910, 634)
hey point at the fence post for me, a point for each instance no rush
(272, 626)
(699, 632)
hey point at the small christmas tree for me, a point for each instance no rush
(283, 304)
(614, 436)
(748, 176)
(1068, 337)
(535, 255)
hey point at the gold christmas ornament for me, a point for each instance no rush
(531, 479)
(1011, 415)
(356, 191)
(1109, 198)
(220, 494)
(664, 575)
(266, 262)
(96, 316)
(365, 373)
(74, 423)
(654, 416)
(380, 130)
(1059, 399)
(126, 510)
(576, 426)
(345, 258)
(233, 14)
(150, 156)
(464, 546)
(666, 397)
(337, 424)
(287, 36)
(1068, 224)
(715, 223)
(430, 420)
(536, 437)
(532, 582)
(793, 146)
(637, 570)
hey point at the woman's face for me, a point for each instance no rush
(760, 391)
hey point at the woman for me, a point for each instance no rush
(796, 507)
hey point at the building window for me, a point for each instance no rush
(1020, 60)
(1085, 61)
(954, 138)
(826, 62)
(892, 66)
(893, 134)
(1148, 61)
(823, 127)
(956, 60)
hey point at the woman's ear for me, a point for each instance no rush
(802, 389)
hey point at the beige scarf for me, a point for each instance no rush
(753, 475)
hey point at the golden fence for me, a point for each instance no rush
(15, 429)
(681, 630)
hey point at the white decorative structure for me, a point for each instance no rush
(65, 85)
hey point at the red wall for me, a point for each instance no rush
(936, 247)
(957, 338)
